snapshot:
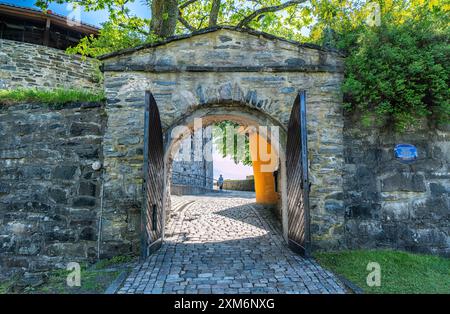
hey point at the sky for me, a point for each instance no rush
(228, 169)
(93, 18)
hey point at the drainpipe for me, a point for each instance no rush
(98, 166)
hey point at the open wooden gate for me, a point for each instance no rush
(152, 220)
(297, 178)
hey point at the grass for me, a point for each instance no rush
(4, 286)
(56, 97)
(94, 279)
(401, 272)
(116, 260)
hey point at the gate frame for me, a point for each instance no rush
(305, 248)
(168, 146)
(146, 247)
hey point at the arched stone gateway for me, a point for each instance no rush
(245, 76)
(58, 205)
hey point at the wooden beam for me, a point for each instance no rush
(47, 32)
(36, 15)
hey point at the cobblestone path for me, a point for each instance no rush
(220, 244)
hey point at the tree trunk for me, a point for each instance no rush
(214, 14)
(164, 17)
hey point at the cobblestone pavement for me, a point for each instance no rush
(223, 244)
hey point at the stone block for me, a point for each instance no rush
(28, 248)
(75, 250)
(363, 211)
(82, 129)
(438, 189)
(404, 182)
(88, 234)
(59, 196)
(334, 206)
(84, 201)
(59, 235)
(87, 189)
(65, 172)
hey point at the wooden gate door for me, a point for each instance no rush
(297, 178)
(152, 220)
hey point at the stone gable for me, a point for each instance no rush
(228, 50)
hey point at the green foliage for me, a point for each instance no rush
(97, 76)
(397, 72)
(122, 30)
(221, 138)
(92, 281)
(5, 286)
(125, 30)
(401, 272)
(114, 35)
(55, 98)
(116, 260)
(94, 278)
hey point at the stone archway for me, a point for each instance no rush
(219, 67)
(244, 116)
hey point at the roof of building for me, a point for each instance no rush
(214, 29)
(37, 14)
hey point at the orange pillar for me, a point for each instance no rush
(264, 164)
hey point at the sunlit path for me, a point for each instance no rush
(222, 244)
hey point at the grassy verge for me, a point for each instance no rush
(56, 97)
(401, 272)
(94, 279)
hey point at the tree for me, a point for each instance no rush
(221, 139)
(397, 72)
(165, 15)
(169, 17)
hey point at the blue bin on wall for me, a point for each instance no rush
(406, 153)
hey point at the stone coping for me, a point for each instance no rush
(214, 29)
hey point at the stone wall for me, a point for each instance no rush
(239, 185)
(187, 168)
(388, 204)
(49, 193)
(177, 189)
(360, 196)
(24, 65)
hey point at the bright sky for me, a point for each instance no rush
(228, 169)
(94, 18)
